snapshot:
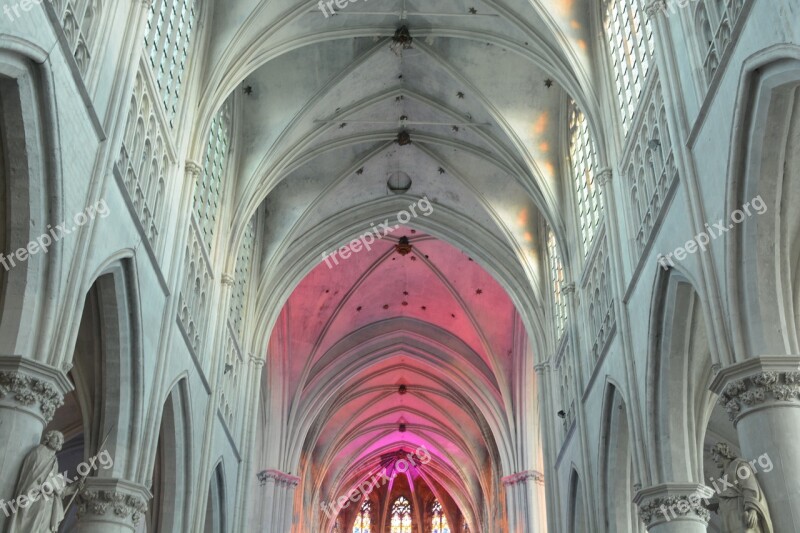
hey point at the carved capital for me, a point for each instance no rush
(113, 500)
(758, 383)
(523, 477)
(604, 176)
(655, 7)
(673, 501)
(193, 170)
(227, 280)
(568, 288)
(277, 477)
(32, 386)
(541, 368)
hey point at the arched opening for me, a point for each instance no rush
(216, 503)
(576, 507)
(617, 469)
(172, 465)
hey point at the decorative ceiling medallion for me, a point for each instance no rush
(403, 247)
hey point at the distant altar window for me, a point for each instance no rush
(363, 523)
(439, 522)
(401, 516)
(630, 40)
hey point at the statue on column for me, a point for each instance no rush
(742, 505)
(42, 487)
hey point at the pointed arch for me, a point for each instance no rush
(576, 506)
(216, 502)
(171, 473)
(763, 257)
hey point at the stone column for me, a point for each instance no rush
(522, 501)
(110, 506)
(762, 398)
(673, 508)
(30, 393)
(280, 500)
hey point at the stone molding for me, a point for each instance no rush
(521, 477)
(30, 384)
(193, 170)
(115, 499)
(672, 501)
(603, 176)
(540, 368)
(227, 279)
(655, 7)
(278, 477)
(766, 381)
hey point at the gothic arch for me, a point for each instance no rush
(679, 372)
(107, 369)
(576, 506)
(216, 502)
(32, 181)
(617, 475)
(171, 477)
(764, 255)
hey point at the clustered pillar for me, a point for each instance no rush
(30, 393)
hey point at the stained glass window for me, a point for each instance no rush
(583, 160)
(556, 280)
(167, 39)
(401, 516)
(630, 40)
(363, 523)
(439, 522)
(208, 189)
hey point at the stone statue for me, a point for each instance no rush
(42, 487)
(742, 505)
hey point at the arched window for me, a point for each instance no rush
(556, 280)
(208, 189)
(363, 523)
(401, 516)
(630, 40)
(167, 39)
(439, 520)
(583, 160)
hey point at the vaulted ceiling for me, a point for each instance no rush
(482, 93)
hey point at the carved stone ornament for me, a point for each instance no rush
(671, 507)
(105, 502)
(29, 391)
(762, 387)
(655, 7)
(521, 477)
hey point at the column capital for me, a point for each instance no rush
(673, 501)
(193, 169)
(542, 367)
(115, 500)
(278, 478)
(655, 7)
(524, 476)
(758, 383)
(603, 176)
(227, 279)
(568, 288)
(33, 386)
